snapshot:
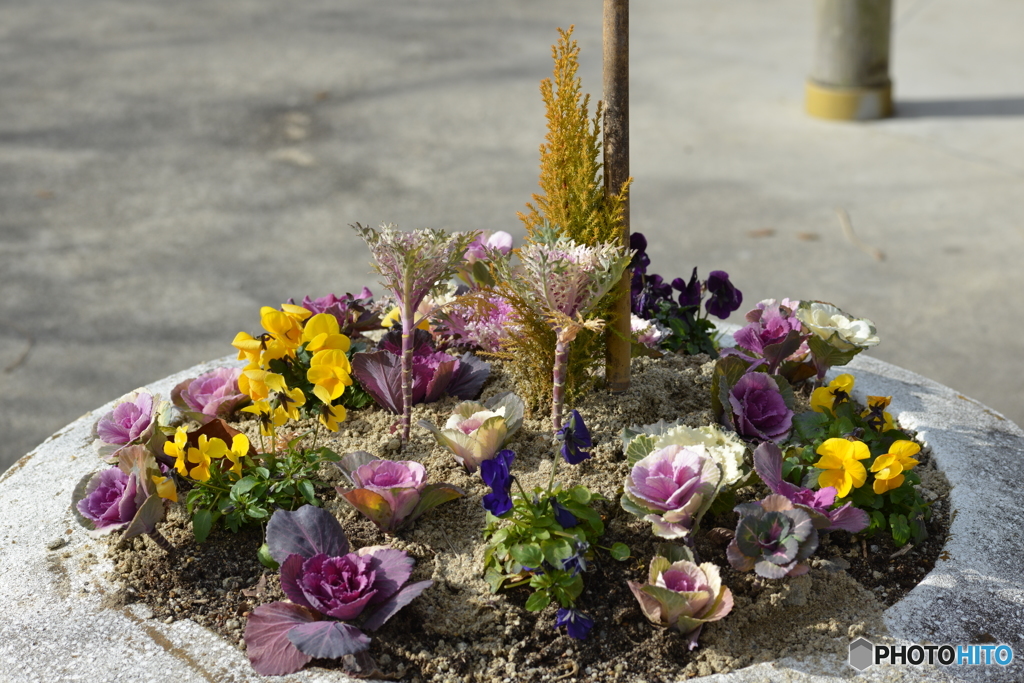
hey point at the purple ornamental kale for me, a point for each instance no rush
(725, 298)
(214, 394)
(672, 488)
(773, 538)
(392, 494)
(576, 623)
(575, 438)
(129, 421)
(818, 504)
(354, 313)
(496, 474)
(759, 410)
(111, 499)
(328, 587)
(434, 373)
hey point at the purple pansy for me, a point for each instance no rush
(576, 623)
(496, 474)
(725, 298)
(575, 438)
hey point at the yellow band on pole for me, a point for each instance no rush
(848, 104)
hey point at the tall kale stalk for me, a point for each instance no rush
(575, 205)
(562, 282)
(412, 265)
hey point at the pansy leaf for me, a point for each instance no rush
(307, 531)
(620, 551)
(538, 601)
(202, 521)
(266, 638)
(527, 554)
(328, 639)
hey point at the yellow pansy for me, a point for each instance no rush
(329, 372)
(290, 401)
(394, 316)
(322, 332)
(837, 391)
(269, 417)
(876, 415)
(165, 488)
(840, 460)
(286, 328)
(330, 416)
(178, 450)
(889, 468)
(239, 449)
(257, 383)
(249, 348)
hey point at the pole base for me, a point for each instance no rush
(848, 104)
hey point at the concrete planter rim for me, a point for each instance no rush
(56, 627)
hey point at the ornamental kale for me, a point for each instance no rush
(759, 410)
(355, 314)
(128, 496)
(134, 420)
(328, 587)
(563, 281)
(434, 373)
(773, 538)
(548, 543)
(413, 264)
(213, 394)
(672, 488)
(476, 431)
(818, 504)
(392, 494)
(682, 595)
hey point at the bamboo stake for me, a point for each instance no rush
(616, 172)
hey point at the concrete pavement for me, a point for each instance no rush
(168, 168)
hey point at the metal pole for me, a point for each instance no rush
(616, 172)
(850, 77)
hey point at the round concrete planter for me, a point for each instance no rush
(53, 576)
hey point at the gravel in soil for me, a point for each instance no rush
(459, 631)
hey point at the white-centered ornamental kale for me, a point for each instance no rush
(683, 596)
(328, 587)
(392, 494)
(835, 336)
(724, 447)
(773, 538)
(477, 431)
(672, 488)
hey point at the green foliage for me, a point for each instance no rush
(528, 547)
(271, 482)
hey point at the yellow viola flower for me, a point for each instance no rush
(837, 391)
(165, 488)
(876, 415)
(889, 468)
(257, 383)
(322, 332)
(236, 454)
(394, 317)
(840, 458)
(270, 417)
(249, 348)
(178, 450)
(329, 373)
(330, 416)
(290, 401)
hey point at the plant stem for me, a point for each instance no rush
(558, 381)
(161, 540)
(408, 331)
